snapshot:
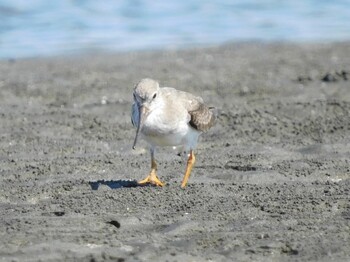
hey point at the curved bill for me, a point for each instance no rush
(142, 115)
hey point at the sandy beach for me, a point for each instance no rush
(271, 181)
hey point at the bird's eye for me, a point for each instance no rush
(155, 95)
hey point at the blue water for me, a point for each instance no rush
(47, 27)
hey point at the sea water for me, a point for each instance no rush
(47, 27)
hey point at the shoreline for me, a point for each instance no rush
(189, 48)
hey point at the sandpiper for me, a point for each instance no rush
(169, 117)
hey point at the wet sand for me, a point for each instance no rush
(271, 181)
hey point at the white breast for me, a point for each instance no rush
(167, 124)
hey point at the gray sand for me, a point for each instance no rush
(271, 182)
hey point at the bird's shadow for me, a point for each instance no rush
(113, 184)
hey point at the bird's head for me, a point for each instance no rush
(145, 92)
(145, 95)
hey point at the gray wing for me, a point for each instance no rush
(202, 117)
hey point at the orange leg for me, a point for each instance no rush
(152, 178)
(190, 162)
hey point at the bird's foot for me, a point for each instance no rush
(152, 179)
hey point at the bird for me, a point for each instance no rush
(165, 116)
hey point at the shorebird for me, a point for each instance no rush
(169, 117)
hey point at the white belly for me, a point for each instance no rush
(162, 135)
(169, 127)
(158, 133)
(166, 140)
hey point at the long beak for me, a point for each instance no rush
(142, 116)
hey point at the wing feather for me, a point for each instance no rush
(202, 118)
